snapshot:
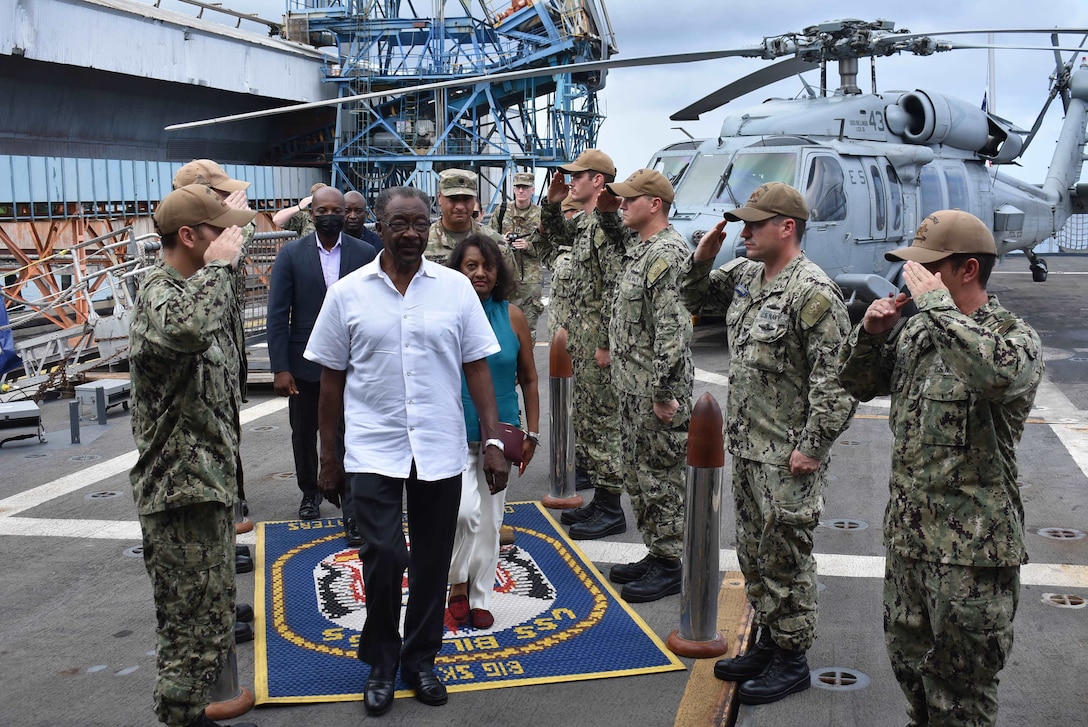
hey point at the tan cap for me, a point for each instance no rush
(769, 200)
(205, 171)
(316, 187)
(946, 233)
(197, 204)
(570, 205)
(644, 181)
(453, 182)
(592, 160)
(524, 179)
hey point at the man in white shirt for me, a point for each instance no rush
(393, 338)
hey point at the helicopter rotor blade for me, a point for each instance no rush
(751, 82)
(895, 37)
(985, 46)
(811, 47)
(667, 59)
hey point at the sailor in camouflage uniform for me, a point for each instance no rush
(786, 321)
(595, 257)
(559, 263)
(521, 221)
(187, 346)
(652, 374)
(233, 193)
(298, 218)
(457, 199)
(962, 374)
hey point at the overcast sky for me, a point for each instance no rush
(638, 102)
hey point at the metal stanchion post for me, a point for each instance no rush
(73, 420)
(100, 404)
(242, 524)
(229, 699)
(561, 494)
(697, 636)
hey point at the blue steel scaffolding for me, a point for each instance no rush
(494, 129)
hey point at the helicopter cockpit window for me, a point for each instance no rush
(932, 197)
(956, 180)
(748, 171)
(880, 206)
(673, 167)
(895, 196)
(824, 191)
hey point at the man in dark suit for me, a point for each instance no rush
(303, 271)
(355, 220)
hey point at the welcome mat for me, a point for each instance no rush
(555, 617)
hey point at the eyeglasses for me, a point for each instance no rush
(398, 225)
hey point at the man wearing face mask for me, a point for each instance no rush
(303, 271)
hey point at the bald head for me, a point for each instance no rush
(355, 213)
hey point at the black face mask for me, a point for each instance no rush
(329, 224)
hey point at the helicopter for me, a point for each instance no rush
(872, 165)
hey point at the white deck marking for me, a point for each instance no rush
(1061, 415)
(33, 497)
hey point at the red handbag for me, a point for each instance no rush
(513, 439)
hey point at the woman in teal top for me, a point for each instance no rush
(476, 545)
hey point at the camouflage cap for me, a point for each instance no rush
(591, 160)
(197, 204)
(770, 200)
(644, 182)
(524, 179)
(453, 182)
(946, 233)
(205, 171)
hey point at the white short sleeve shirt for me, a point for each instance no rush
(403, 356)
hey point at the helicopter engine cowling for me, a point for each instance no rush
(921, 117)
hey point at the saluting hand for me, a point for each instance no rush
(558, 189)
(711, 244)
(919, 280)
(608, 202)
(227, 246)
(237, 200)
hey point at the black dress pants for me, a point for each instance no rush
(432, 522)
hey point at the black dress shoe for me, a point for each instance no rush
(579, 514)
(243, 564)
(749, 665)
(663, 578)
(309, 510)
(787, 673)
(243, 632)
(379, 690)
(606, 520)
(429, 689)
(242, 550)
(351, 533)
(243, 612)
(627, 572)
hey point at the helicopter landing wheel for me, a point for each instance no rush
(1039, 270)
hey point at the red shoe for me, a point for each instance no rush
(482, 619)
(459, 609)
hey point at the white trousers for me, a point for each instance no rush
(476, 545)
